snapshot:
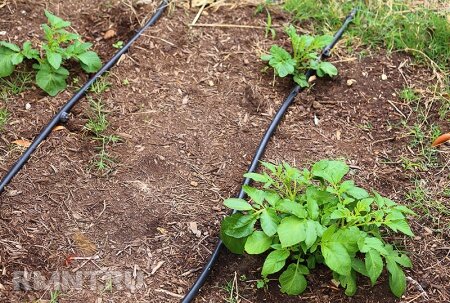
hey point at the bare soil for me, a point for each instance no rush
(190, 119)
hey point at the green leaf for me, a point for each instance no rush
(266, 57)
(55, 21)
(311, 233)
(359, 266)
(257, 243)
(364, 205)
(301, 80)
(312, 206)
(90, 61)
(322, 41)
(269, 221)
(256, 177)
(10, 46)
(292, 280)
(368, 243)
(6, 60)
(16, 59)
(237, 204)
(54, 59)
(242, 227)
(326, 68)
(291, 207)
(269, 166)
(78, 48)
(255, 194)
(275, 261)
(357, 192)
(334, 253)
(235, 245)
(349, 237)
(349, 282)
(400, 225)
(397, 279)
(50, 80)
(329, 170)
(374, 265)
(291, 231)
(403, 260)
(272, 198)
(29, 52)
(281, 61)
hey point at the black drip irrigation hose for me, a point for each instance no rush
(260, 151)
(63, 114)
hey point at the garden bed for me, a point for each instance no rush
(191, 105)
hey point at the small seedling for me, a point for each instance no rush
(100, 85)
(309, 217)
(408, 95)
(118, 44)
(97, 125)
(305, 56)
(4, 116)
(15, 84)
(54, 295)
(59, 46)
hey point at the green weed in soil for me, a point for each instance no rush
(59, 46)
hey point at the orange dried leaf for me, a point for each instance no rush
(441, 139)
(23, 143)
(59, 127)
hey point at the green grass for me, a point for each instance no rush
(100, 85)
(15, 84)
(423, 201)
(4, 116)
(97, 125)
(394, 25)
(407, 94)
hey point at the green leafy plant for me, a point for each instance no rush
(59, 45)
(305, 56)
(302, 218)
(118, 44)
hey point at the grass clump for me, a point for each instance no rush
(97, 125)
(396, 25)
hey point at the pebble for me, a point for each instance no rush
(383, 77)
(27, 106)
(2, 33)
(194, 183)
(350, 82)
(109, 34)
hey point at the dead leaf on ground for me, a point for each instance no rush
(23, 143)
(441, 139)
(83, 243)
(59, 127)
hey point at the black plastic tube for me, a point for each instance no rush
(63, 113)
(259, 153)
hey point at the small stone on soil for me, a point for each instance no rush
(27, 106)
(109, 34)
(350, 82)
(384, 77)
(194, 183)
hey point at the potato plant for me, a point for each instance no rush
(59, 45)
(306, 50)
(304, 218)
